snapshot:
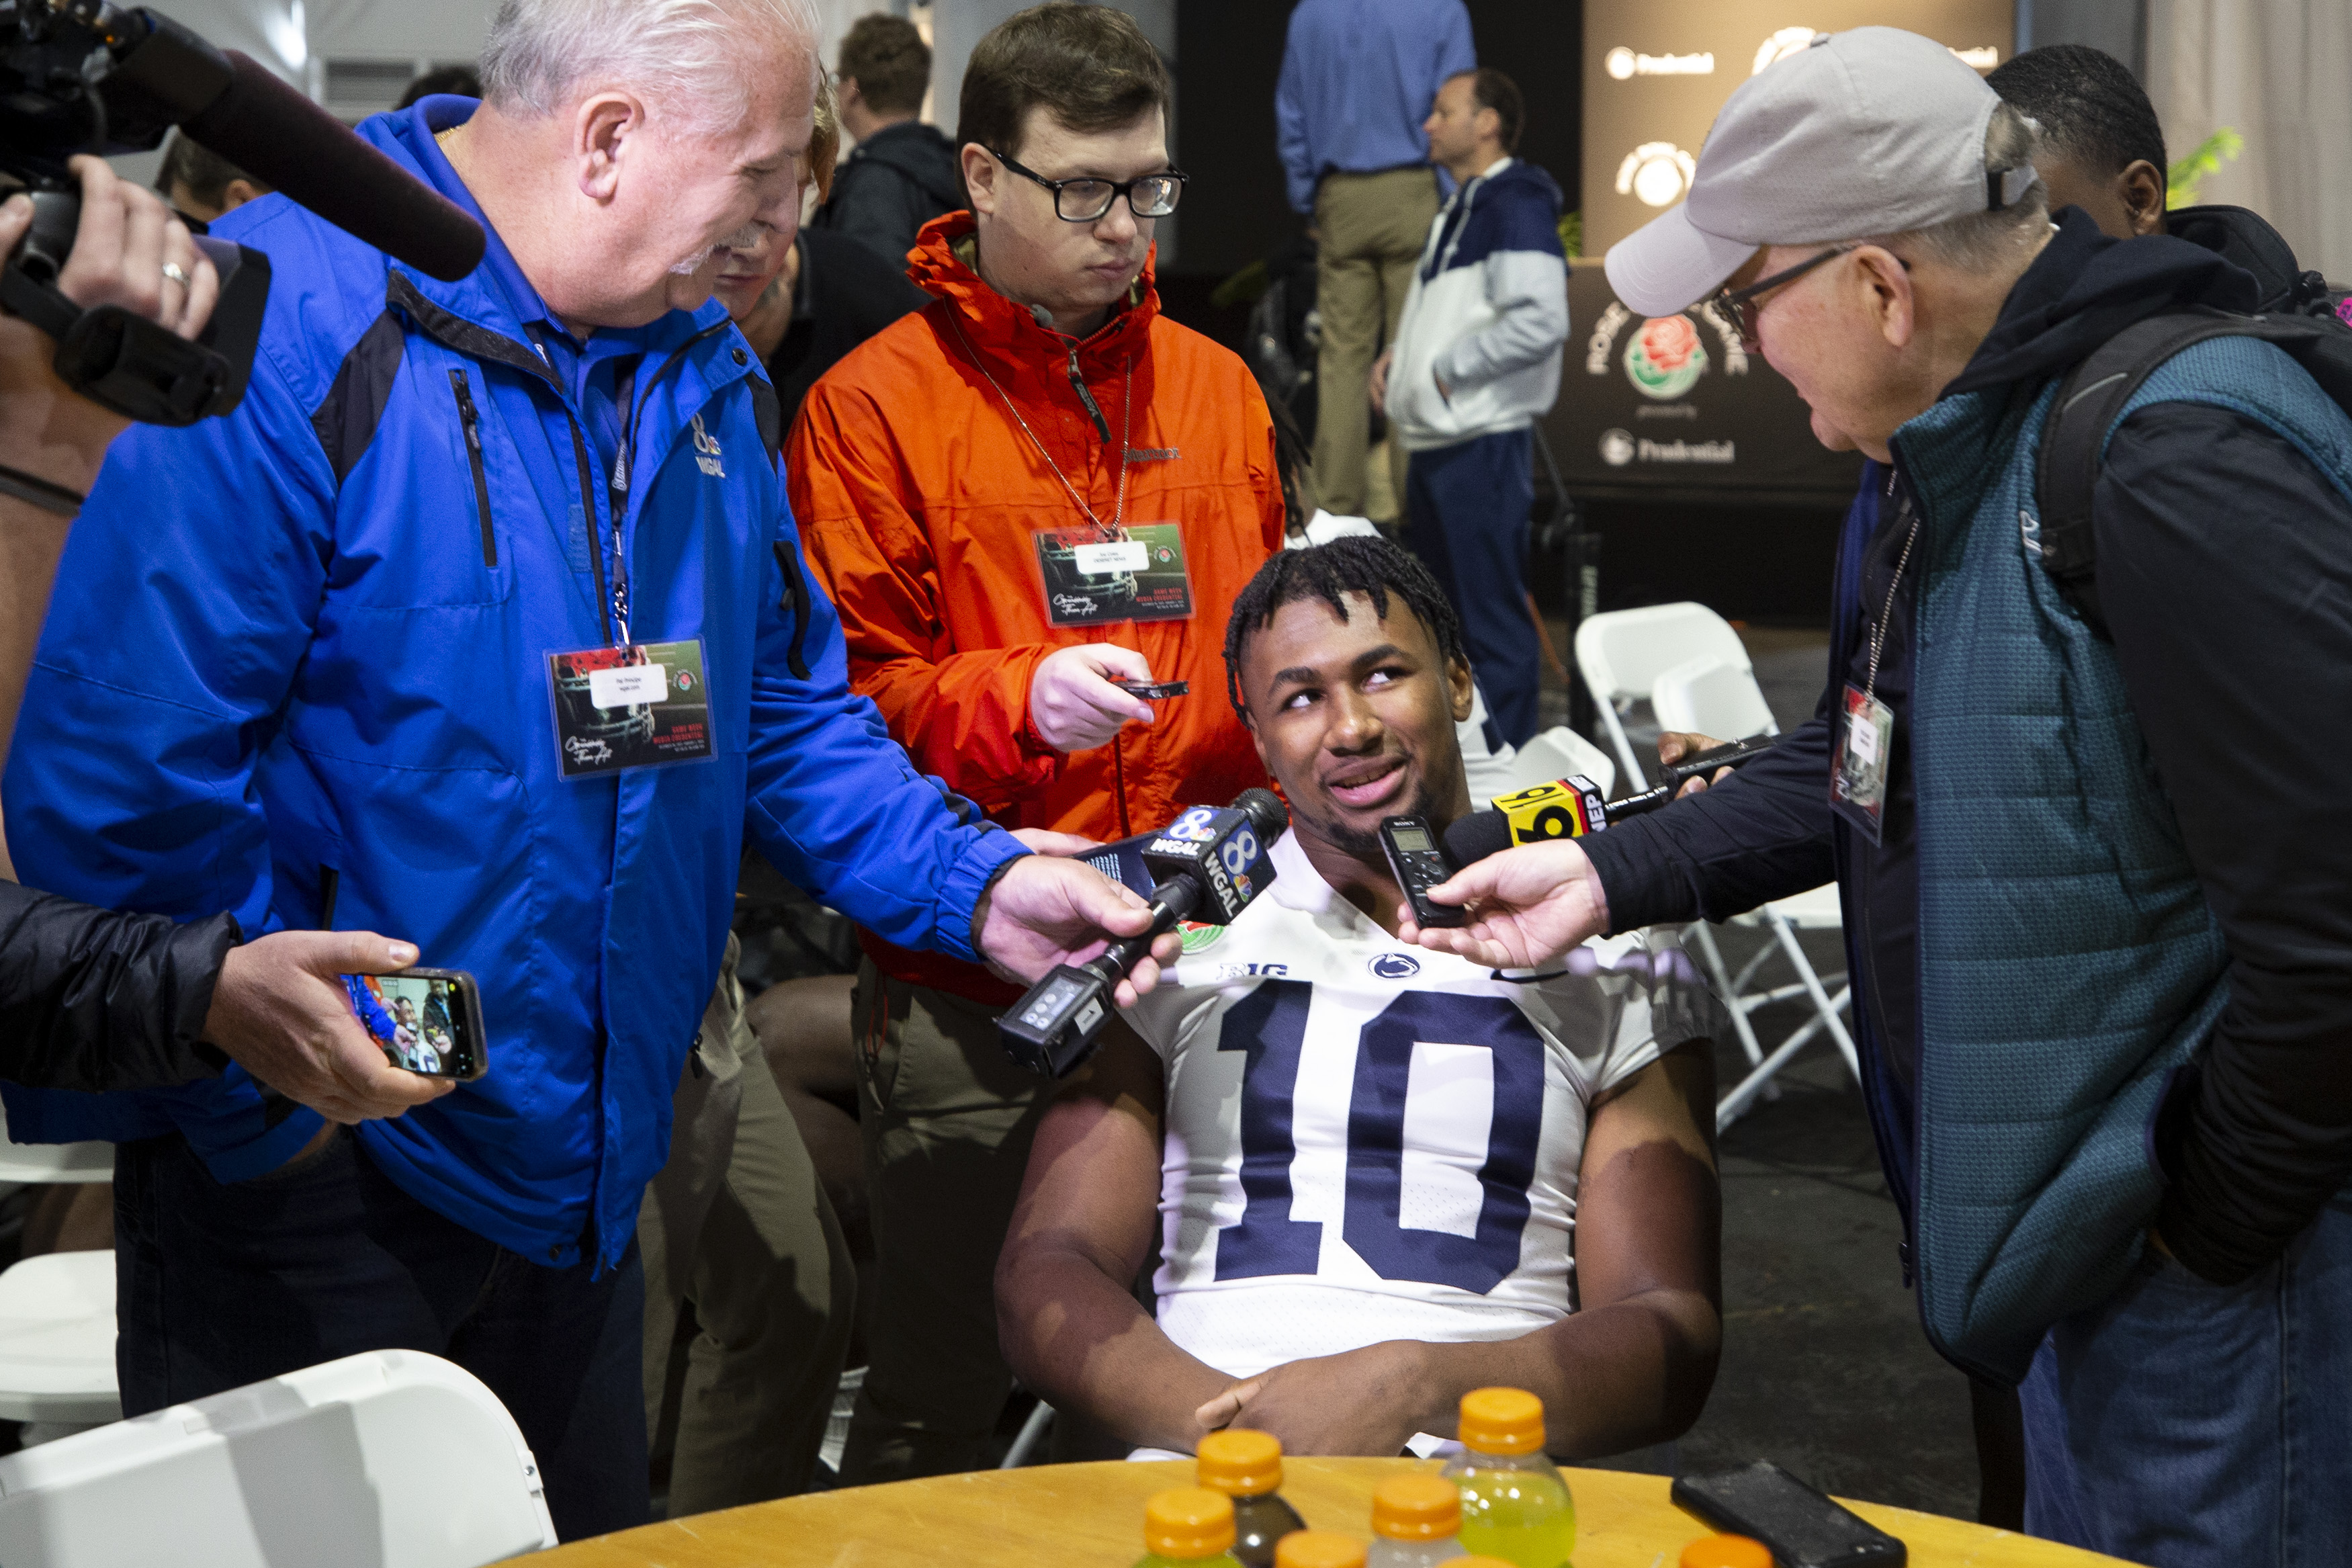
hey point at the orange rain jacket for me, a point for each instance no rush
(918, 497)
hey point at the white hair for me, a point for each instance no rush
(685, 55)
(1984, 242)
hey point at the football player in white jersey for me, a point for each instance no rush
(1378, 1176)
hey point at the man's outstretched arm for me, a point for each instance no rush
(1066, 1311)
(1632, 1366)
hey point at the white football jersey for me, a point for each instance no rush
(1366, 1140)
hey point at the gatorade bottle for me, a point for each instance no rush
(1246, 1467)
(1514, 1504)
(1319, 1549)
(1725, 1552)
(1188, 1528)
(1415, 1518)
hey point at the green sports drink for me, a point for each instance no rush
(1514, 1504)
(1188, 1528)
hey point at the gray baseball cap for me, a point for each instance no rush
(1873, 131)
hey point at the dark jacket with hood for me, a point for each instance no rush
(2225, 569)
(891, 184)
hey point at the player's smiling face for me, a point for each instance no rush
(1355, 719)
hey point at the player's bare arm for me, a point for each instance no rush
(1065, 1309)
(1632, 1366)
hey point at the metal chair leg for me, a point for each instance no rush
(1787, 932)
(1033, 1431)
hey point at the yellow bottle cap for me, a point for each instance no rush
(1475, 1562)
(1188, 1522)
(1239, 1462)
(1319, 1549)
(1502, 1421)
(1417, 1506)
(1725, 1552)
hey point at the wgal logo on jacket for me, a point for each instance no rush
(706, 451)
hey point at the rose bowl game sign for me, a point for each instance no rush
(1675, 403)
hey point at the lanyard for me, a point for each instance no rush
(1878, 632)
(616, 491)
(1114, 528)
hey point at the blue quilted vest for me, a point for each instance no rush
(2069, 966)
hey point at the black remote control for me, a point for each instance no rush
(1420, 864)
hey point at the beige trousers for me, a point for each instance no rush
(1372, 227)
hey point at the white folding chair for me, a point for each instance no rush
(392, 1458)
(1712, 697)
(25, 1164)
(1622, 654)
(56, 1345)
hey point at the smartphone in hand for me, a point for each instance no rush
(428, 1021)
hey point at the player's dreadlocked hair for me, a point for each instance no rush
(2090, 108)
(1358, 564)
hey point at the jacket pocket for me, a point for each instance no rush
(471, 421)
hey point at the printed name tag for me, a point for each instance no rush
(642, 706)
(1126, 555)
(1858, 783)
(635, 683)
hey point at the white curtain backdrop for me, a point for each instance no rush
(2281, 72)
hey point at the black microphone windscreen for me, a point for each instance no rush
(289, 143)
(1265, 809)
(1473, 838)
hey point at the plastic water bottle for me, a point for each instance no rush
(1246, 1466)
(1188, 1528)
(1514, 1504)
(1319, 1549)
(1415, 1518)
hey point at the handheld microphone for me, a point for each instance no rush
(1212, 860)
(1572, 807)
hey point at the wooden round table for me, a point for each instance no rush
(1091, 1516)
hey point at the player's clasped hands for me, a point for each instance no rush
(1073, 705)
(1367, 1401)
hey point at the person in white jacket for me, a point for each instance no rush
(1475, 364)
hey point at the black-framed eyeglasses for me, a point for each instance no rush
(1086, 200)
(1739, 307)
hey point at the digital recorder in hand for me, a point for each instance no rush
(1420, 864)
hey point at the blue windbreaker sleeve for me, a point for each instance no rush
(835, 804)
(1298, 170)
(184, 605)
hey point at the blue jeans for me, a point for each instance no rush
(2182, 1424)
(1466, 517)
(222, 1285)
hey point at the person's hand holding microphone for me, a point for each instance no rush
(1074, 707)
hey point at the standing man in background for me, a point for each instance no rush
(1357, 77)
(902, 174)
(1475, 363)
(1036, 488)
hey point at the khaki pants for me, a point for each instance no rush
(948, 1120)
(737, 1224)
(1372, 229)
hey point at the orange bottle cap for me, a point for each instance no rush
(1190, 1521)
(1417, 1506)
(1240, 1462)
(1725, 1552)
(1502, 1421)
(1319, 1549)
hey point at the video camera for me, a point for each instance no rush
(84, 76)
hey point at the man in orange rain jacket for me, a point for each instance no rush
(1035, 486)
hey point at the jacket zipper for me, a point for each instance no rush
(472, 422)
(1093, 409)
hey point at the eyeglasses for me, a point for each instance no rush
(1086, 200)
(1739, 307)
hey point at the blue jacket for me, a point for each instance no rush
(1485, 315)
(305, 647)
(1358, 79)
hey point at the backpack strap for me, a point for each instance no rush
(2092, 398)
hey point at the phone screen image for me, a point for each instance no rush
(421, 1021)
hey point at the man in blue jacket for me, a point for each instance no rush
(1475, 363)
(2097, 879)
(483, 621)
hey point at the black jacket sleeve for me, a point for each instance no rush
(2225, 571)
(1760, 835)
(90, 999)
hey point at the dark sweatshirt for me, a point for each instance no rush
(2225, 571)
(90, 999)
(892, 184)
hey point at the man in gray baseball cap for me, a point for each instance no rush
(2091, 832)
